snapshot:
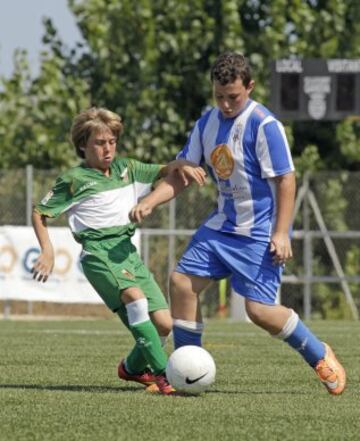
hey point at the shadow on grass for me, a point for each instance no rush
(72, 388)
(117, 389)
(251, 392)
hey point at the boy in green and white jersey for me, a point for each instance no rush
(97, 197)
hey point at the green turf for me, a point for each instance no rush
(58, 382)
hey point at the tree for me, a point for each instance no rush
(149, 61)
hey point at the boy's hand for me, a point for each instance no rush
(140, 211)
(187, 170)
(280, 246)
(190, 173)
(43, 266)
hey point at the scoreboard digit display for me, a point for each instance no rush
(315, 89)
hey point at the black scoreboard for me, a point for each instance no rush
(315, 89)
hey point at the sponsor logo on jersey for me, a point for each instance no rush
(222, 161)
(87, 185)
(237, 132)
(46, 199)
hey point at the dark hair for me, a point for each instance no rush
(93, 119)
(228, 67)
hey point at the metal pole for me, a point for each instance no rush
(29, 200)
(7, 309)
(172, 237)
(29, 193)
(307, 251)
(334, 257)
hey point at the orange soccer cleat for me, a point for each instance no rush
(331, 372)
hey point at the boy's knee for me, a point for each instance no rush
(164, 328)
(175, 280)
(255, 312)
(178, 284)
(131, 294)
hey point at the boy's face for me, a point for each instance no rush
(100, 150)
(231, 98)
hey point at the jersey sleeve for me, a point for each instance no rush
(57, 200)
(193, 149)
(145, 173)
(272, 149)
(144, 176)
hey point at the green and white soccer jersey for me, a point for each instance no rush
(97, 206)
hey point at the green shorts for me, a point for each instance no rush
(113, 265)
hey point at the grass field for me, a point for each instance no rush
(58, 382)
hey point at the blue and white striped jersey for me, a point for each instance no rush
(242, 155)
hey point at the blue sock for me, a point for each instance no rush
(187, 333)
(303, 340)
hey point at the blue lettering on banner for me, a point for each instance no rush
(29, 259)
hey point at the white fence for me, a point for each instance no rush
(326, 238)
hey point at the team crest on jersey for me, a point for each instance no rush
(128, 274)
(222, 161)
(46, 199)
(124, 175)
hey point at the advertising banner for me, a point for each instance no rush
(67, 284)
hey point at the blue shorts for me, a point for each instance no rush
(217, 255)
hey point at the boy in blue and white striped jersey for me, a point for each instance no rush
(247, 237)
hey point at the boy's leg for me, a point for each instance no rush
(285, 324)
(146, 335)
(135, 363)
(198, 266)
(185, 308)
(135, 367)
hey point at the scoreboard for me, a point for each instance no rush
(315, 89)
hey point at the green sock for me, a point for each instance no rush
(149, 343)
(135, 362)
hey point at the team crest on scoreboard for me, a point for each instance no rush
(222, 161)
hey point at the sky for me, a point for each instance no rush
(21, 27)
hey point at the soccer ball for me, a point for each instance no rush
(191, 369)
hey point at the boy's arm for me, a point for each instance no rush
(188, 171)
(167, 189)
(280, 241)
(44, 264)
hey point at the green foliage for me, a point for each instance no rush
(308, 161)
(150, 61)
(330, 303)
(352, 265)
(36, 114)
(333, 204)
(348, 136)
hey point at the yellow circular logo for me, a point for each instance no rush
(222, 161)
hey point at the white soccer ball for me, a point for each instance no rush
(191, 369)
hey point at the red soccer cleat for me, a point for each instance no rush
(163, 385)
(145, 378)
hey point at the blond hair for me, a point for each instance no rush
(90, 121)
